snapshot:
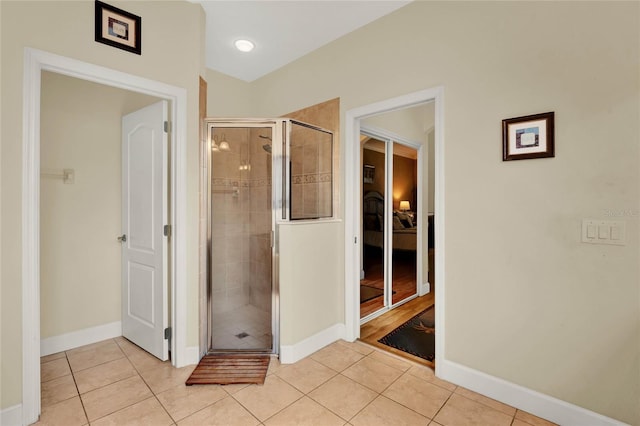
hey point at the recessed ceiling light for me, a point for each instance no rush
(244, 45)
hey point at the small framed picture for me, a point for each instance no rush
(368, 173)
(118, 28)
(526, 137)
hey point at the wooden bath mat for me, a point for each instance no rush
(227, 369)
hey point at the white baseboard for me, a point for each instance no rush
(192, 355)
(11, 416)
(64, 342)
(424, 289)
(525, 399)
(293, 353)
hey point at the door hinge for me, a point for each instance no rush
(167, 333)
(167, 230)
(167, 127)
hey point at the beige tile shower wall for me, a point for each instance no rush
(327, 116)
(230, 204)
(311, 177)
(260, 219)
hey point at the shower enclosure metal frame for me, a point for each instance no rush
(276, 127)
(280, 206)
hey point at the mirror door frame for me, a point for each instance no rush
(389, 139)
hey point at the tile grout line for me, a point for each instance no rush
(441, 407)
(247, 409)
(409, 408)
(118, 381)
(146, 384)
(84, 410)
(88, 350)
(363, 385)
(404, 372)
(101, 387)
(207, 406)
(486, 405)
(283, 408)
(348, 378)
(309, 396)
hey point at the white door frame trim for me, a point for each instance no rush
(36, 61)
(352, 207)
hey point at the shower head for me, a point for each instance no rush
(267, 146)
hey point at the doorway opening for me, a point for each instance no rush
(84, 215)
(35, 63)
(356, 120)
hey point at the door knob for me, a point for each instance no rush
(122, 238)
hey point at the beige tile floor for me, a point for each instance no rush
(116, 383)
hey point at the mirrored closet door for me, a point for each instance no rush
(389, 226)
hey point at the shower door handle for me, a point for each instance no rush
(122, 238)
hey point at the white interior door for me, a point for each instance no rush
(144, 215)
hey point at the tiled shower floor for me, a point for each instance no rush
(245, 327)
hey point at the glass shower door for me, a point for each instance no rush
(241, 223)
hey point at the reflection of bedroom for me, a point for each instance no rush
(403, 222)
(404, 189)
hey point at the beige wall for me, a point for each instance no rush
(80, 258)
(307, 304)
(526, 301)
(174, 59)
(410, 123)
(228, 96)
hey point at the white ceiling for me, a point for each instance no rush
(282, 31)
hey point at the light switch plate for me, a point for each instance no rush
(596, 231)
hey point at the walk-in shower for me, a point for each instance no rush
(270, 171)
